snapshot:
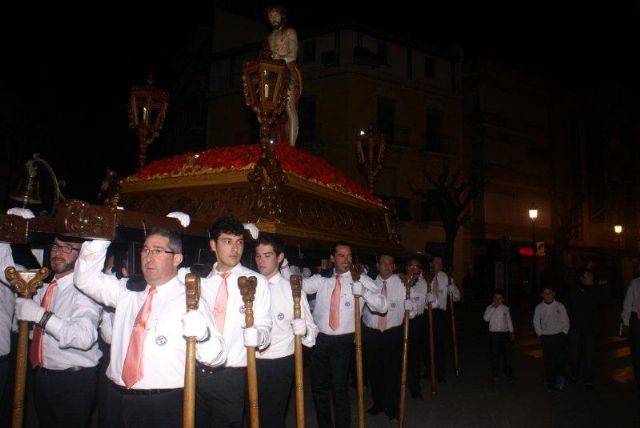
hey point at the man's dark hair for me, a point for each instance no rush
(547, 287)
(386, 255)
(72, 239)
(335, 246)
(416, 258)
(498, 292)
(229, 225)
(175, 240)
(273, 240)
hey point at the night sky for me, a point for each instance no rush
(67, 70)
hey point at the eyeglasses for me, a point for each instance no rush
(66, 249)
(145, 251)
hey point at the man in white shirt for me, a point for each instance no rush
(551, 324)
(64, 351)
(418, 328)
(500, 334)
(442, 287)
(148, 346)
(630, 318)
(7, 304)
(382, 337)
(275, 364)
(334, 316)
(221, 392)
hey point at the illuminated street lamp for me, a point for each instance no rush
(533, 215)
(618, 230)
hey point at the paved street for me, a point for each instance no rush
(470, 401)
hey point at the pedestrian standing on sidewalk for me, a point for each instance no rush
(551, 323)
(500, 336)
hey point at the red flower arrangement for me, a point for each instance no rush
(294, 161)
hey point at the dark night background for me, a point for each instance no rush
(67, 69)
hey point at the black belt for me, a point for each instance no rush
(50, 372)
(213, 370)
(4, 358)
(127, 391)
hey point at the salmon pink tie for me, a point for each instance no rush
(382, 320)
(220, 307)
(133, 370)
(36, 353)
(334, 309)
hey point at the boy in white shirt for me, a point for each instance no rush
(551, 323)
(500, 335)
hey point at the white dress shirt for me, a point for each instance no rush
(234, 319)
(499, 318)
(7, 300)
(631, 300)
(323, 287)
(419, 295)
(282, 338)
(442, 279)
(550, 319)
(106, 326)
(396, 295)
(164, 345)
(7, 306)
(71, 334)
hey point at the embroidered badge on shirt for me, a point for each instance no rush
(161, 340)
(347, 304)
(280, 316)
(242, 309)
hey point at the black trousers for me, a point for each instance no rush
(143, 408)
(275, 378)
(500, 350)
(554, 348)
(64, 398)
(440, 334)
(634, 342)
(330, 362)
(220, 397)
(582, 342)
(418, 351)
(383, 353)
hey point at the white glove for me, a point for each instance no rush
(408, 305)
(431, 298)
(96, 245)
(356, 288)
(299, 327)
(25, 213)
(251, 337)
(28, 310)
(253, 230)
(183, 218)
(194, 324)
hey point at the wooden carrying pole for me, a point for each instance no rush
(454, 333)
(296, 291)
(248, 290)
(432, 359)
(25, 284)
(192, 284)
(355, 276)
(408, 281)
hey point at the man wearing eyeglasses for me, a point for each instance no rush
(64, 350)
(148, 346)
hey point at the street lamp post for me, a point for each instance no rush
(533, 215)
(618, 230)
